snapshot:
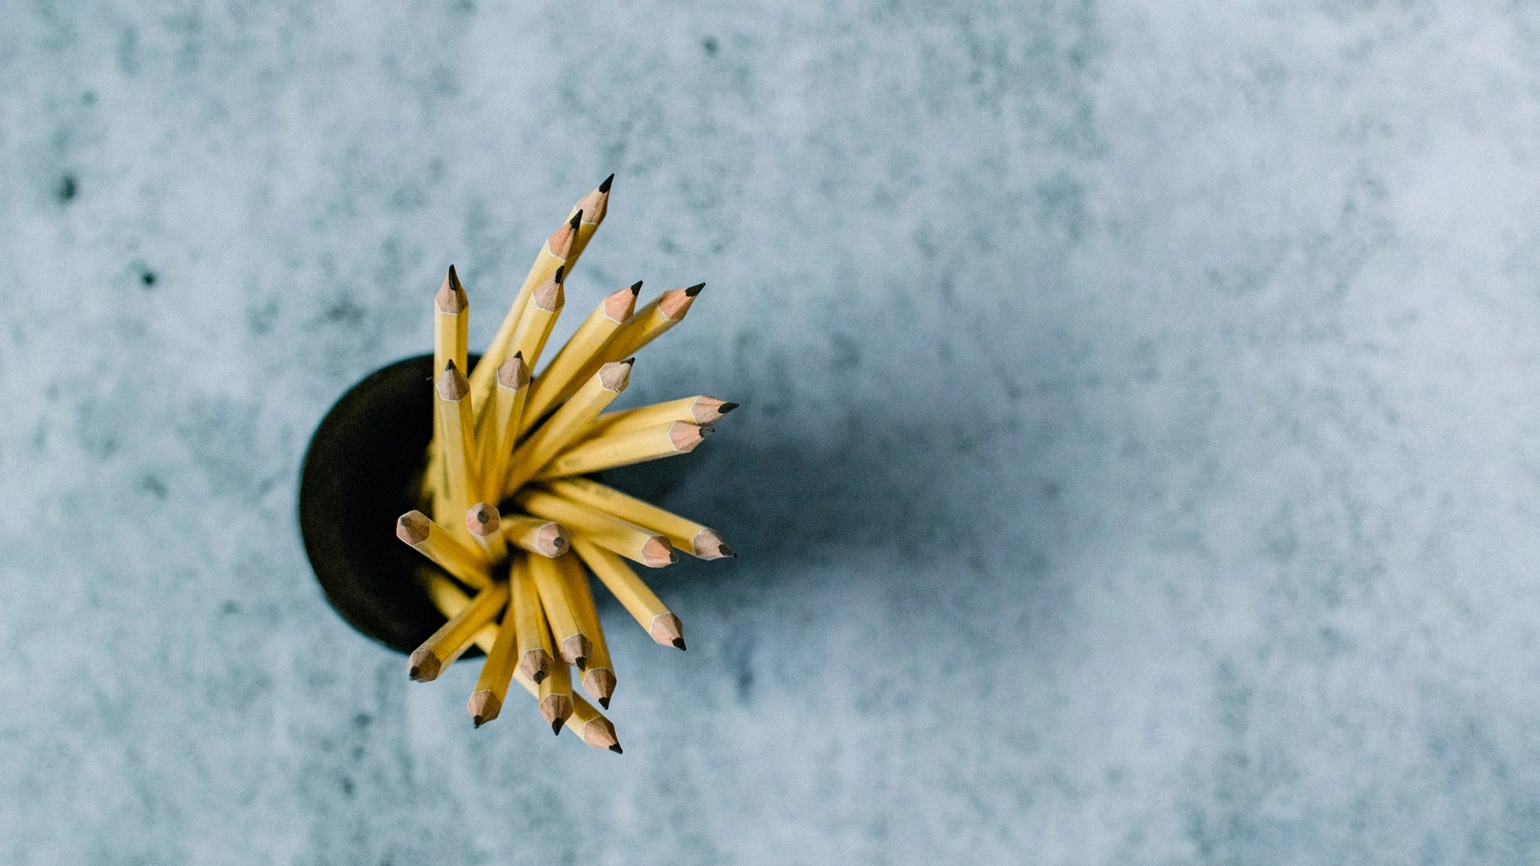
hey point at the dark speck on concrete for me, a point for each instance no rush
(147, 278)
(709, 44)
(152, 485)
(67, 188)
(229, 608)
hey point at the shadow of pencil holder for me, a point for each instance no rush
(361, 472)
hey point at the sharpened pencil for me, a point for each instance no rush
(556, 696)
(696, 539)
(535, 654)
(485, 526)
(536, 534)
(467, 564)
(625, 449)
(704, 411)
(599, 673)
(569, 640)
(441, 649)
(566, 424)
(502, 424)
(459, 448)
(486, 702)
(595, 526)
(634, 594)
(574, 357)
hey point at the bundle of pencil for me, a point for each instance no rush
(512, 521)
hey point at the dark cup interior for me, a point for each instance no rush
(360, 474)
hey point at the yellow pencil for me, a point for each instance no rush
(486, 702)
(534, 328)
(552, 255)
(590, 725)
(607, 531)
(454, 637)
(634, 595)
(508, 407)
(459, 448)
(702, 410)
(566, 424)
(485, 526)
(569, 638)
(624, 449)
(599, 674)
(535, 654)
(684, 534)
(536, 534)
(573, 357)
(468, 565)
(590, 209)
(556, 696)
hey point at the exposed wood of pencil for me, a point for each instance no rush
(570, 641)
(536, 534)
(592, 207)
(485, 526)
(459, 449)
(634, 595)
(574, 356)
(599, 675)
(624, 449)
(441, 649)
(535, 656)
(591, 725)
(553, 254)
(607, 531)
(702, 410)
(451, 554)
(566, 424)
(486, 701)
(556, 697)
(685, 534)
(646, 325)
(503, 423)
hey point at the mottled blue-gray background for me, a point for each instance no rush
(1140, 460)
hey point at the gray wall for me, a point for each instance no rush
(1139, 461)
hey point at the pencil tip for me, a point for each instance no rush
(636, 288)
(726, 551)
(556, 726)
(539, 677)
(679, 642)
(605, 187)
(616, 749)
(576, 218)
(604, 702)
(413, 671)
(726, 407)
(582, 662)
(560, 272)
(694, 290)
(478, 721)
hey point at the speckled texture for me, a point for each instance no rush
(1139, 460)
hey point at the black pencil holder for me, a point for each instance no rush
(361, 472)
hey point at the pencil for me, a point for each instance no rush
(599, 673)
(486, 702)
(485, 526)
(535, 658)
(590, 211)
(624, 449)
(590, 724)
(644, 326)
(534, 328)
(702, 410)
(552, 255)
(468, 565)
(582, 348)
(451, 317)
(508, 407)
(593, 727)
(459, 442)
(684, 534)
(634, 595)
(566, 424)
(441, 649)
(536, 534)
(607, 531)
(570, 641)
(556, 696)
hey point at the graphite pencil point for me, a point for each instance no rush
(679, 642)
(605, 187)
(616, 749)
(695, 289)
